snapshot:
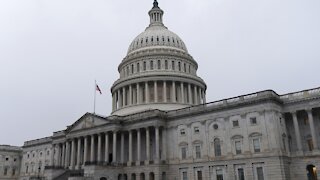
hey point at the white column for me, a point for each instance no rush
(119, 99)
(114, 153)
(164, 144)
(195, 95)
(66, 164)
(79, 153)
(157, 144)
(174, 95)
(204, 97)
(138, 94)
(182, 93)
(92, 149)
(73, 150)
(52, 155)
(130, 95)
(124, 96)
(164, 91)
(190, 93)
(122, 147)
(85, 152)
(313, 132)
(113, 102)
(130, 148)
(99, 148)
(200, 96)
(106, 153)
(297, 130)
(62, 163)
(59, 156)
(155, 88)
(147, 92)
(138, 147)
(147, 145)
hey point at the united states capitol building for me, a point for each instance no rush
(162, 128)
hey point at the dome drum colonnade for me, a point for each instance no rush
(157, 73)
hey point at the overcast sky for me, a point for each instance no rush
(51, 51)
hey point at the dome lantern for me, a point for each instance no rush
(156, 15)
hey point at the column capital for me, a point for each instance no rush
(308, 110)
(293, 112)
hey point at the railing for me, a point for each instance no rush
(227, 102)
(301, 94)
(53, 167)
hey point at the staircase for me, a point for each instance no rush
(69, 173)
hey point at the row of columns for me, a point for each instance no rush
(194, 94)
(297, 130)
(73, 153)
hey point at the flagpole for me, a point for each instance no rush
(95, 94)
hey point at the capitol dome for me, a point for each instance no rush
(157, 72)
(157, 36)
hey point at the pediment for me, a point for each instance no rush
(87, 121)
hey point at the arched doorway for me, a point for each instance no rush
(103, 178)
(142, 177)
(133, 176)
(151, 176)
(312, 172)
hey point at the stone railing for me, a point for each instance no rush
(38, 141)
(301, 95)
(227, 102)
(10, 148)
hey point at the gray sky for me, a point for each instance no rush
(52, 50)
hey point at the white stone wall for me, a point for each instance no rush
(35, 157)
(10, 160)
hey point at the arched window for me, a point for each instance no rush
(132, 68)
(159, 64)
(217, 147)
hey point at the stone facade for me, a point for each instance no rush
(162, 128)
(10, 161)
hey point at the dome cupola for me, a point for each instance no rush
(157, 73)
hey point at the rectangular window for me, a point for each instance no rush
(253, 121)
(196, 130)
(260, 173)
(183, 152)
(5, 171)
(238, 147)
(256, 145)
(173, 65)
(138, 67)
(219, 173)
(179, 66)
(13, 172)
(182, 132)
(199, 175)
(151, 65)
(144, 66)
(235, 123)
(241, 174)
(198, 152)
(166, 64)
(184, 176)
